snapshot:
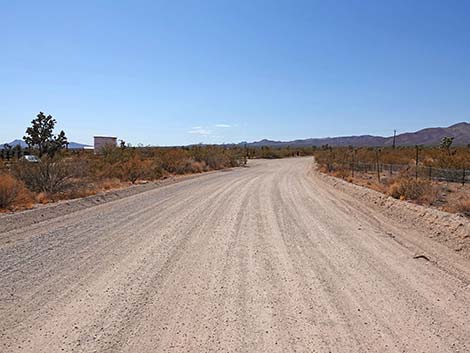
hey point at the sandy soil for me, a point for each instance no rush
(449, 229)
(271, 258)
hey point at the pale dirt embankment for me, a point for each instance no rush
(270, 258)
(449, 229)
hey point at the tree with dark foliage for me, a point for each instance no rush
(446, 144)
(40, 135)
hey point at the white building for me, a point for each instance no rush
(103, 141)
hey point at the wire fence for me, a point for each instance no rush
(420, 171)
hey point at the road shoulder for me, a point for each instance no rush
(451, 230)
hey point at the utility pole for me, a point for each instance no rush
(245, 159)
(394, 137)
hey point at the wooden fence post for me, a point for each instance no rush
(377, 164)
(353, 162)
(417, 161)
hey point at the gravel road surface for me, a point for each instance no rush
(268, 258)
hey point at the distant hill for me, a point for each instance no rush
(72, 145)
(428, 137)
(15, 143)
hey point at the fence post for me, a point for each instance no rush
(353, 162)
(377, 164)
(417, 161)
(430, 172)
(463, 177)
(329, 160)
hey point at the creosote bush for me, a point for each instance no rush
(412, 189)
(135, 168)
(12, 191)
(50, 175)
(71, 174)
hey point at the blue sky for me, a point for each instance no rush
(180, 72)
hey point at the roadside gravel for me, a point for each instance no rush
(270, 258)
(449, 229)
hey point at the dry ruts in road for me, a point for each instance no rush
(268, 258)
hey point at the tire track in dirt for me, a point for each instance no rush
(268, 258)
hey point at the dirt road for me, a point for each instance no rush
(262, 259)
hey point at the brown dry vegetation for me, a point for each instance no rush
(77, 174)
(455, 158)
(403, 184)
(459, 203)
(13, 193)
(422, 191)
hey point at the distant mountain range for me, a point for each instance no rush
(72, 145)
(428, 137)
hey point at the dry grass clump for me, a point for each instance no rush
(341, 173)
(377, 187)
(323, 168)
(73, 193)
(42, 198)
(460, 205)
(412, 189)
(13, 193)
(109, 184)
(463, 206)
(198, 167)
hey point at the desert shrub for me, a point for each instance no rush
(42, 198)
(111, 154)
(102, 170)
(461, 205)
(9, 190)
(73, 192)
(12, 191)
(109, 184)
(49, 176)
(216, 157)
(135, 168)
(412, 189)
(342, 173)
(322, 168)
(175, 160)
(403, 155)
(129, 164)
(198, 167)
(155, 170)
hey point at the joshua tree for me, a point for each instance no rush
(40, 135)
(446, 143)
